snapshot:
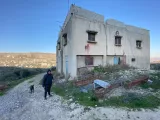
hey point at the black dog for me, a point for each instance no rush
(32, 88)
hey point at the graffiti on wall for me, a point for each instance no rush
(87, 48)
(88, 57)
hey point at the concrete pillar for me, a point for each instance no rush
(73, 67)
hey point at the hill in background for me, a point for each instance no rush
(28, 60)
(155, 60)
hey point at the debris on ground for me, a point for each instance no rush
(150, 81)
(115, 80)
(19, 104)
(100, 83)
(86, 88)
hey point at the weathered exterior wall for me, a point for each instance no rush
(80, 37)
(110, 59)
(67, 49)
(97, 60)
(58, 65)
(128, 43)
(104, 48)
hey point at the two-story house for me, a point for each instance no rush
(87, 40)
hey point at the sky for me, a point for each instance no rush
(33, 25)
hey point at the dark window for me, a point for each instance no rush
(65, 39)
(139, 44)
(59, 46)
(133, 59)
(91, 36)
(88, 60)
(117, 40)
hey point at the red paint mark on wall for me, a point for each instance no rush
(87, 48)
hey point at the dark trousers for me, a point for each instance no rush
(47, 89)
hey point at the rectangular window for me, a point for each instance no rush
(117, 40)
(139, 44)
(91, 36)
(133, 59)
(65, 39)
(88, 60)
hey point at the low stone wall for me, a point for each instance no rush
(85, 82)
(137, 81)
(100, 92)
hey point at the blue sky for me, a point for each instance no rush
(33, 25)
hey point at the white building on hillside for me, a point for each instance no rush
(86, 40)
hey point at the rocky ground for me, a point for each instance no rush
(19, 104)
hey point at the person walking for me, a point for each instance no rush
(47, 83)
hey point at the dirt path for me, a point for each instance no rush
(19, 104)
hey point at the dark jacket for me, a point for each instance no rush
(47, 79)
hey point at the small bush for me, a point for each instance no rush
(53, 68)
(1, 93)
(94, 98)
(111, 68)
(155, 66)
(155, 85)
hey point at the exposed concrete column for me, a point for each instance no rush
(72, 49)
(73, 67)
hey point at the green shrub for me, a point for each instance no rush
(155, 85)
(11, 76)
(110, 68)
(53, 68)
(133, 100)
(1, 93)
(25, 73)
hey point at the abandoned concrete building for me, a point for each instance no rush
(87, 40)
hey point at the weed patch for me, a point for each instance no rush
(1, 93)
(11, 84)
(155, 85)
(129, 100)
(134, 101)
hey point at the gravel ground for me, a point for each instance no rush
(19, 104)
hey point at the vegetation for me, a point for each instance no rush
(130, 100)
(155, 66)
(155, 85)
(111, 68)
(68, 91)
(15, 73)
(28, 60)
(1, 93)
(133, 100)
(11, 84)
(12, 76)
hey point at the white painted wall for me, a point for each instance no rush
(82, 20)
(80, 38)
(129, 36)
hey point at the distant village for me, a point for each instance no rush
(28, 60)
